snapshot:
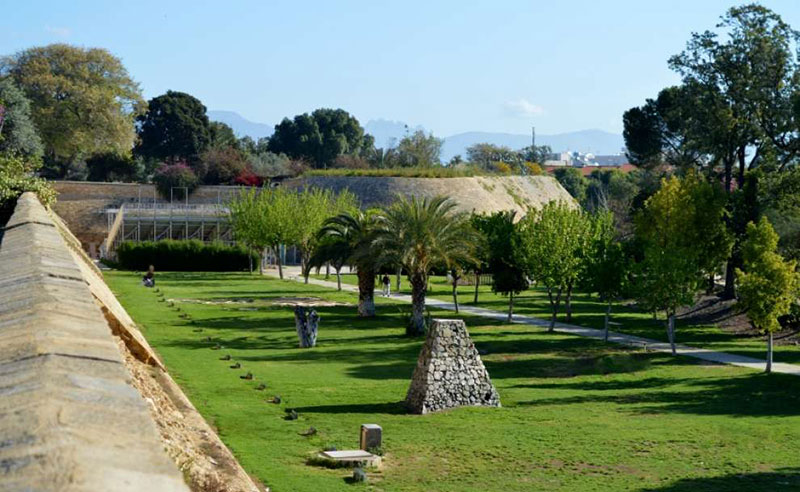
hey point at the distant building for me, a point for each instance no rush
(580, 159)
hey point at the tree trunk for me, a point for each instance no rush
(366, 293)
(554, 306)
(399, 276)
(711, 285)
(477, 284)
(416, 325)
(769, 352)
(671, 331)
(250, 256)
(510, 306)
(305, 266)
(328, 271)
(606, 321)
(339, 279)
(568, 303)
(455, 292)
(730, 279)
(261, 253)
(277, 250)
(740, 154)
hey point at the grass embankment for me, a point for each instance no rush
(589, 311)
(577, 414)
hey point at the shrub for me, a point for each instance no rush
(222, 165)
(111, 166)
(404, 172)
(16, 177)
(184, 256)
(174, 175)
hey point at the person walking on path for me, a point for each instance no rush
(387, 285)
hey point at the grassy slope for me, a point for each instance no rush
(576, 415)
(588, 311)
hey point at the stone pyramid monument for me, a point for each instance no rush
(449, 372)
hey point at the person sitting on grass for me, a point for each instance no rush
(149, 278)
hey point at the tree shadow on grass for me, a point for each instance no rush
(780, 479)
(752, 395)
(387, 408)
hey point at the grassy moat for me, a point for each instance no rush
(577, 414)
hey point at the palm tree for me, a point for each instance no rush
(350, 236)
(419, 234)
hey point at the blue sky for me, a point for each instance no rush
(451, 66)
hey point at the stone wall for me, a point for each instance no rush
(82, 204)
(69, 419)
(85, 403)
(449, 372)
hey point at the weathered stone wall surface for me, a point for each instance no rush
(481, 194)
(69, 418)
(449, 372)
(82, 204)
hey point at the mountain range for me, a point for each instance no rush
(387, 133)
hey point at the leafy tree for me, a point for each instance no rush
(682, 235)
(175, 127)
(320, 137)
(352, 235)
(504, 261)
(606, 270)
(313, 206)
(419, 150)
(484, 155)
(535, 154)
(420, 234)
(768, 285)
(17, 132)
(246, 213)
(573, 181)
(736, 104)
(222, 165)
(779, 196)
(265, 164)
(482, 250)
(177, 175)
(16, 177)
(83, 101)
(113, 167)
(265, 218)
(553, 244)
(222, 135)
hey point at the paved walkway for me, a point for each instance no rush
(293, 273)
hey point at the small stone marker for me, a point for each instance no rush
(449, 372)
(354, 457)
(370, 436)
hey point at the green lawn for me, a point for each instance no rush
(577, 414)
(589, 311)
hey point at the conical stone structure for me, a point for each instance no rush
(449, 372)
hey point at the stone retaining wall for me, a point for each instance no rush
(69, 418)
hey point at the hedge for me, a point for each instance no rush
(184, 256)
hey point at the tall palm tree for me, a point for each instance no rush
(419, 234)
(351, 235)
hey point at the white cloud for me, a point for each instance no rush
(61, 32)
(523, 108)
